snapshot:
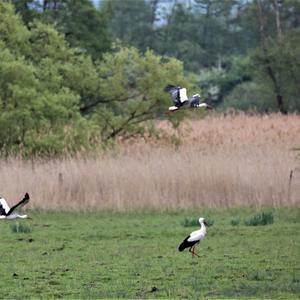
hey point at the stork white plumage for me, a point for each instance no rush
(180, 98)
(194, 238)
(11, 213)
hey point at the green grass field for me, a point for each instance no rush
(134, 255)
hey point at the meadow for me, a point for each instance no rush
(92, 255)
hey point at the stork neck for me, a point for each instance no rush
(203, 227)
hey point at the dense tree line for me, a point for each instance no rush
(74, 76)
(233, 46)
(56, 99)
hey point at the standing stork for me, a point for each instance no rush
(194, 238)
(10, 213)
(180, 98)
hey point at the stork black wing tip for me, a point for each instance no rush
(168, 87)
(26, 196)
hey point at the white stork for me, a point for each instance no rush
(194, 238)
(180, 98)
(10, 213)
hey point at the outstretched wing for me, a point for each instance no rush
(174, 92)
(169, 88)
(4, 208)
(24, 201)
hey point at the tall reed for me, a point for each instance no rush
(220, 161)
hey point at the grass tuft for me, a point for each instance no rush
(263, 218)
(209, 222)
(193, 222)
(20, 228)
(256, 276)
(235, 221)
(190, 222)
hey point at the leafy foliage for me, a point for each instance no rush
(247, 97)
(283, 58)
(208, 36)
(82, 25)
(36, 107)
(74, 78)
(129, 21)
(219, 83)
(132, 85)
(55, 100)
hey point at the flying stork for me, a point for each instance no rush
(194, 238)
(10, 213)
(180, 98)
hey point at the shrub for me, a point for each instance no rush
(247, 97)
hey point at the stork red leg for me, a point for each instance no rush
(196, 254)
(192, 250)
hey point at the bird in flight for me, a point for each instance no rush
(11, 213)
(180, 98)
(194, 238)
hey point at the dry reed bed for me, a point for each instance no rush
(222, 161)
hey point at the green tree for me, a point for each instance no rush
(132, 85)
(130, 21)
(38, 113)
(82, 25)
(276, 53)
(54, 99)
(278, 68)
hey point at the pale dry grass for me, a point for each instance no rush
(221, 161)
